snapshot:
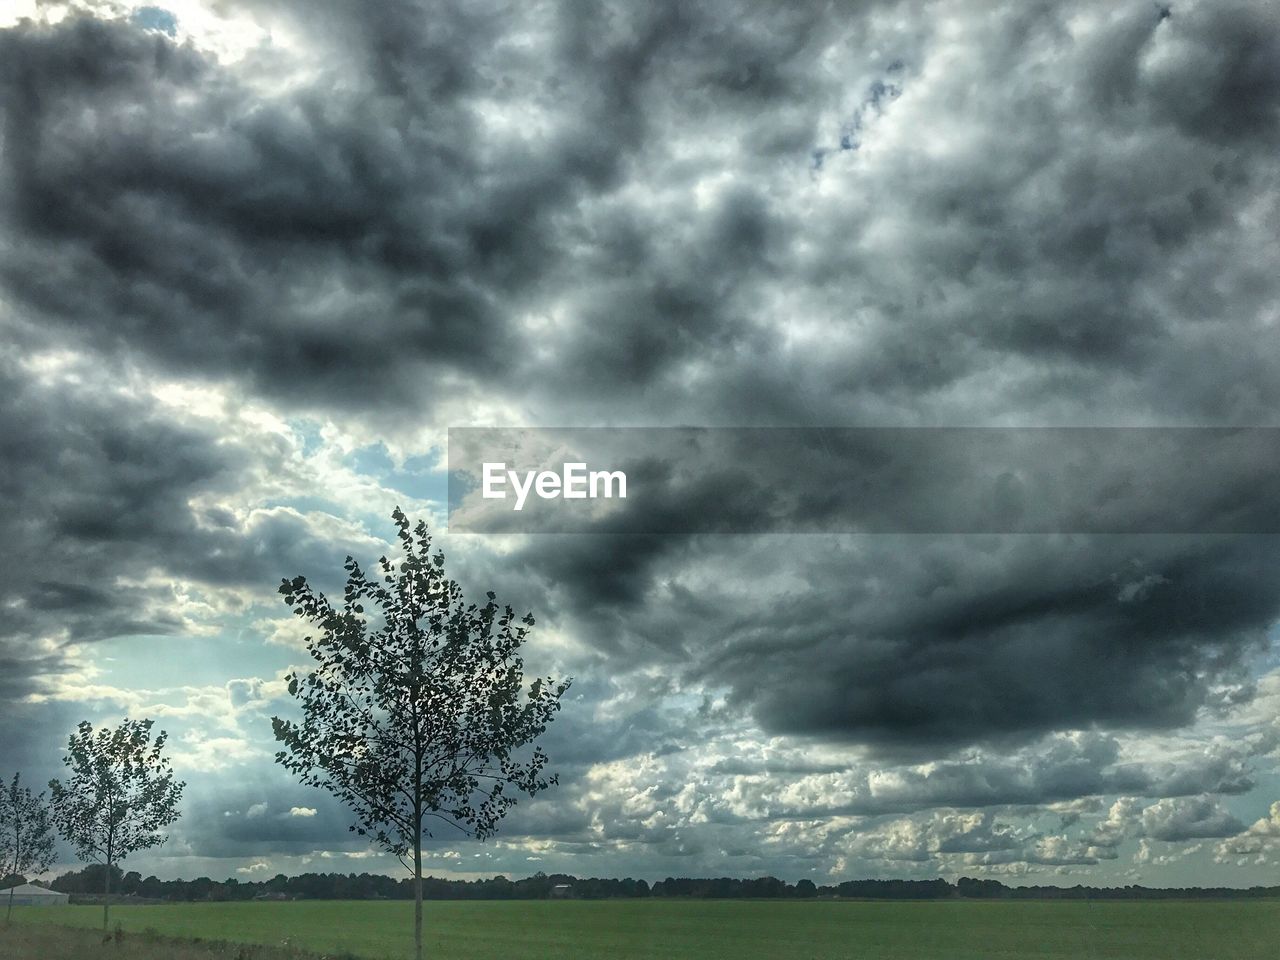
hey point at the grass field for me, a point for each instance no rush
(718, 930)
(45, 941)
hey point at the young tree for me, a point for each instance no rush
(120, 794)
(420, 715)
(26, 836)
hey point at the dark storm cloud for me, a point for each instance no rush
(345, 243)
(918, 642)
(335, 246)
(1225, 86)
(350, 242)
(255, 816)
(1034, 652)
(98, 487)
(323, 241)
(88, 475)
(204, 227)
(869, 480)
(37, 752)
(645, 727)
(1007, 221)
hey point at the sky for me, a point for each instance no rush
(256, 259)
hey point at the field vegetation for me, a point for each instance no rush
(678, 930)
(52, 942)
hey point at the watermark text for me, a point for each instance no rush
(573, 482)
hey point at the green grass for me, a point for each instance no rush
(45, 941)
(721, 930)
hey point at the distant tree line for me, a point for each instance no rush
(373, 886)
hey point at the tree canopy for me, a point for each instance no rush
(26, 833)
(120, 794)
(415, 713)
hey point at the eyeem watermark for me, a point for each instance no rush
(865, 480)
(573, 482)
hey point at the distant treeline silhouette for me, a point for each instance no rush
(372, 886)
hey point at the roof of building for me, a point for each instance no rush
(31, 890)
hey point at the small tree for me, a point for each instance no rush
(421, 715)
(120, 794)
(26, 835)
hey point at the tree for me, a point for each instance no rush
(120, 794)
(26, 835)
(420, 715)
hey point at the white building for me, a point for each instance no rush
(29, 895)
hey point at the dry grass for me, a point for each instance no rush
(48, 942)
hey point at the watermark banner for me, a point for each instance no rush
(938, 480)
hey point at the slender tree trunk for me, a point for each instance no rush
(106, 901)
(17, 848)
(417, 897)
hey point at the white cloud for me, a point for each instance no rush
(1259, 843)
